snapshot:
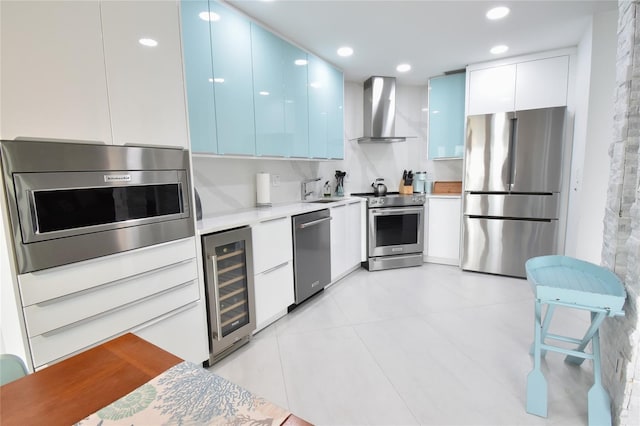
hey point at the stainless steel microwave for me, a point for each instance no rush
(70, 202)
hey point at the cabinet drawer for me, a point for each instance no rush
(50, 315)
(65, 341)
(274, 293)
(272, 244)
(43, 285)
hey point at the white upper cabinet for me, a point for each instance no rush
(542, 83)
(528, 83)
(492, 90)
(52, 71)
(145, 83)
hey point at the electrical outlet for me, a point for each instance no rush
(275, 180)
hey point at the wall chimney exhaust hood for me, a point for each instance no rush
(380, 110)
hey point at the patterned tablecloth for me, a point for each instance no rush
(187, 394)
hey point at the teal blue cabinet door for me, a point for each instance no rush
(318, 101)
(280, 95)
(268, 91)
(232, 80)
(446, 116)
(296, 110)
(325, 110)
(335, 131)
(199, 75)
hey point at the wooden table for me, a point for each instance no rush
(70, 390)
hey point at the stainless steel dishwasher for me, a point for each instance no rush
(311, 253)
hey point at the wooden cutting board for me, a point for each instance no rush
(447, 187)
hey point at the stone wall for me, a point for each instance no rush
(621, 245)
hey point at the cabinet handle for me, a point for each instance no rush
(276, 267)
(273, 219)
(110, 284)
(216, 297)
(111, 311)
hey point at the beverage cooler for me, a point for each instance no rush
(228, 264)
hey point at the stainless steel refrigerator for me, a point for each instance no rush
(512, 184)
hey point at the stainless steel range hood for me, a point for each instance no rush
(380, 110)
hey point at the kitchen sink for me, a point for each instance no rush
(323, 201)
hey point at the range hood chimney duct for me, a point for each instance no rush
(380, 110)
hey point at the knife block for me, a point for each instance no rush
(405, 189)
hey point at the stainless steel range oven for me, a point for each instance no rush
(70, 201)
(395, 236)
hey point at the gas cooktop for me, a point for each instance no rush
(392, 199)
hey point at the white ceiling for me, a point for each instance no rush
(432, 36)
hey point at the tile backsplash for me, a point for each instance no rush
(228, 184)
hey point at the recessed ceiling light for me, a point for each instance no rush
(148, 42)
(209, 16)
(403, 67)
(301, 62)
(497, 12)
(345, 51)
(496, 50)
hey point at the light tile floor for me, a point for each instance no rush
(431, 345)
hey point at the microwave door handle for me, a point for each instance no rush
(33, 209)
(216, 296)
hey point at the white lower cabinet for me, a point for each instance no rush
(274, 293)
(189, 322)
(70, 308)
(442, 233)
(273, 269)
(346, 235)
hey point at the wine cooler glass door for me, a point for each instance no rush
(229, 285)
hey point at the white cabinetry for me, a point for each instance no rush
(70, 308)
(145, 84)
(345, 238)
(524, 84)
(75, 70)
(273, 269)
(542, 83)
(52, 71)
(492, 90)
(443, 230)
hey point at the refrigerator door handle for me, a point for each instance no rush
(513, 148)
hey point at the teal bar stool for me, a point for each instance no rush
(565, 281)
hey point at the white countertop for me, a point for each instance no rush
(252, 216)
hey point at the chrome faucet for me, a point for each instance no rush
(303, 187)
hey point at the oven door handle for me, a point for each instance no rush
(389, 211)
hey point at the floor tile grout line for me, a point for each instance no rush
(375, 360)
(284, 379)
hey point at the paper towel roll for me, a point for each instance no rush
(263, 189)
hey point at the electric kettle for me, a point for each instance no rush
(379, 188)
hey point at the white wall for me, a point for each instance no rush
(227, 184)
(593, 135)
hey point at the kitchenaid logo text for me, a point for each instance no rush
(117, 178)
